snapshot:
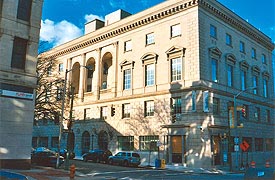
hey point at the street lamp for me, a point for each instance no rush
(62, 111)
(235, 122)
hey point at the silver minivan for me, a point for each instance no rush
(125, 159)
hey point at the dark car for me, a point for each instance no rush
(97, 156)
(46, 158)
(125, 159)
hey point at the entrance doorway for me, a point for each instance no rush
(217, 150)
(176, 149)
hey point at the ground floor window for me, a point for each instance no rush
(43, 142)
(259, 144)
(269, 144)
(148, 143)
(34, 142)
(54, 142)
(125, 143)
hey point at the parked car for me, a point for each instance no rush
(63, 152)
(46, 158)
(125, 159)
(97, 156)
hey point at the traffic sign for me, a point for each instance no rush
(244, 145)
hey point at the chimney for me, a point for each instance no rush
(115, 16)
(93, 25)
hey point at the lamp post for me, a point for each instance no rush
(236, 139)
(62, 112)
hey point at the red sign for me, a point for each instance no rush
(244, 145)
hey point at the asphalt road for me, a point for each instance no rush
(105, 171)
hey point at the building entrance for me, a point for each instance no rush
(176, 149)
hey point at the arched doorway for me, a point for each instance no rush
(103, 140)
(85, 142)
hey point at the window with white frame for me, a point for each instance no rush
(253, 53)
(126, 110)
(127, 79)
(176, 105)
(213, 31)
(125, 143)
(175, 30)
(243, 79)
(229, 75)
(242, 47)
(61, 67)
(104, 112)
(255, 84)
(265, 88)
(148, 143)
(176, 69)
(128, 46)
(214, 63)
(149, 108)
(150, 39)
(228, 39)
(150, 74)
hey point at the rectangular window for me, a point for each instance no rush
(126, 109)
(125, 143)
(104, 112)
(175, 30)
(49, 71)
(228, 39)
(253, 53)
(194, 100)
(216, 105)
(267, 116)
(264, 59)
(259, 144)
(269, 145)
(150, 74)
(127, 79)
(255, 84)
(24, 10)
(59, 93)
(85, 113)
(242, 47)
(265, 84)
(149, 108)
(176, 67)
(214, 63)
(61, 67)
(128, 46)
(54, 142)
(43, 142)
(213, 31)
(19, 53)
(150, 38)
(148, 143)
(176, 105)
(243, 80)
(34, 139)
(229, 75)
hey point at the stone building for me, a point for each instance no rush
(19, 36)
(168, 79)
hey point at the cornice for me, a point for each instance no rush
(157, 15)
(153, 17)
(237, 22)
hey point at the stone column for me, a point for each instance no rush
(97, 80)
(82, 77)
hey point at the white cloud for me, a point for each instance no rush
(58, 33)
(90, 17)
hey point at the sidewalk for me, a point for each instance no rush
(48, 173)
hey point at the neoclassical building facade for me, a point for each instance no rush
(19, 36)
(166, 80)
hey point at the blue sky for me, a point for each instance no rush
(63, 20)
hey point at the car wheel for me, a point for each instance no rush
(111, 161)
(125, 163)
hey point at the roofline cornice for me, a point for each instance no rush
(159, 14)
(237, 22)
